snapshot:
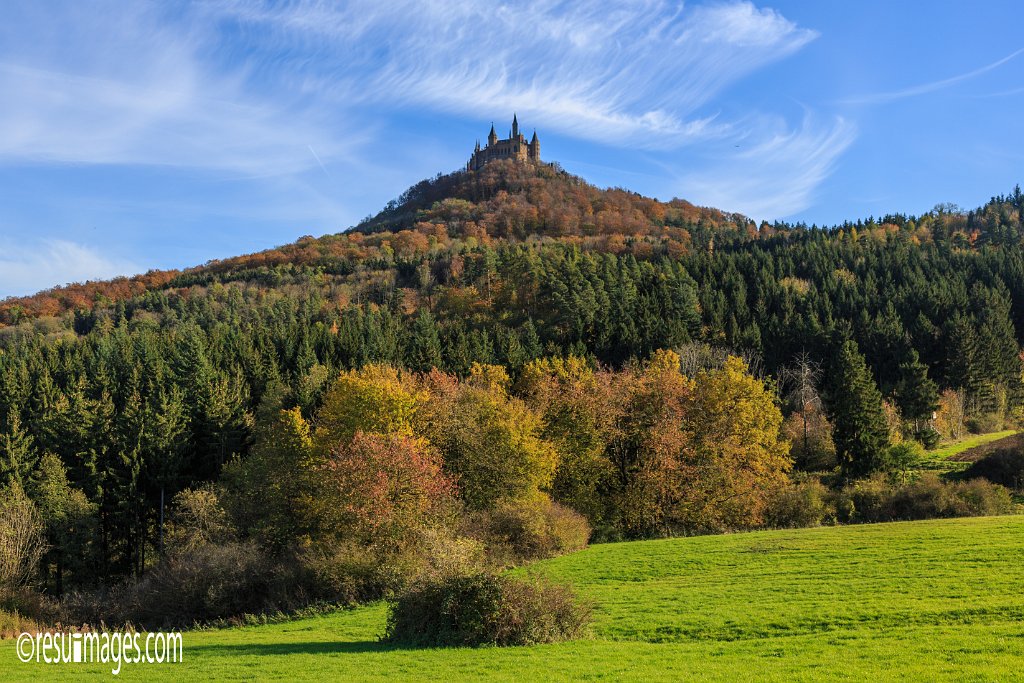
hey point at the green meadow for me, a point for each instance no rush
(939, 459)
(939, 599)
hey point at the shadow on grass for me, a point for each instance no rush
(309, 648)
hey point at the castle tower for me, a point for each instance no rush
(513, 148)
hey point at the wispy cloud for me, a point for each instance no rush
(777, 176)
(126, 84)
(303, 103)
(28, 268)
(620, 71)
(925, 88)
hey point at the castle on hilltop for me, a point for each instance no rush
(514, 147)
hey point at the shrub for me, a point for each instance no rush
(485, 609)
(903, 456)
(801, 504)
(350, 573)
(1004, 467)
(927, 497)
(12, 624)
(519, 531)
(985, 423)
(199, 519)
(25, 609)
(207, 583)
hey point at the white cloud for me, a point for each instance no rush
(248, 89)
(123, 84)
(777, 176)
(624, 72)
(25, 269)
(925, 88)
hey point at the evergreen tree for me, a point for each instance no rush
(17, 453)
(424, 351)
(916, 395)
(859, 430)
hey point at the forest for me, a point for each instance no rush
(501, 365)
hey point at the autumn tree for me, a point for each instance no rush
(738, 458)
(491, 442)
(269, 491)
(807, 426)
(376, 399)
(580, 411)
(22, 542)
(380, 489)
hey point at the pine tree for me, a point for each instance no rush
(424, 351)
(17, 452)
(859, 430)
(916, 395)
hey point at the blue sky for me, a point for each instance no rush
(161, 135)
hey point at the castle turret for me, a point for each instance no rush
(513, 148)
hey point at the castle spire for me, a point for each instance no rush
(515, 126)
(492, 138)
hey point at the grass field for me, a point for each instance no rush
(939, 459)
(941, 599)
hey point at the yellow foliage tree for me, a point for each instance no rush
(738, 458)
(376, 399)
(491, 442)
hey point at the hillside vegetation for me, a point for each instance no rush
(935, 600)
(500, 366)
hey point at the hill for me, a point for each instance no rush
(935, 600)
(145, 387)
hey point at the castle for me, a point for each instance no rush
(514, 147)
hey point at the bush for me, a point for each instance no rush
(25, 609)
(1004, 467)
(519, 531)
(12, 624)
(485, 609)
(208, 583)
(986, 423)
(801, 504)
(903, 456)
(198, 519)
(927, 497)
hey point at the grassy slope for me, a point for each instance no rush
(939, 459)
(919, 600)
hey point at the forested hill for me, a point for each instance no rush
(153, 383)
(512, 200)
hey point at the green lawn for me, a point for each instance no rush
(941, 599)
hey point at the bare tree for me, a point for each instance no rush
(799, 383)
(695, 357)
(21, 538)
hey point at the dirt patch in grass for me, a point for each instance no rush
(1015, 441)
